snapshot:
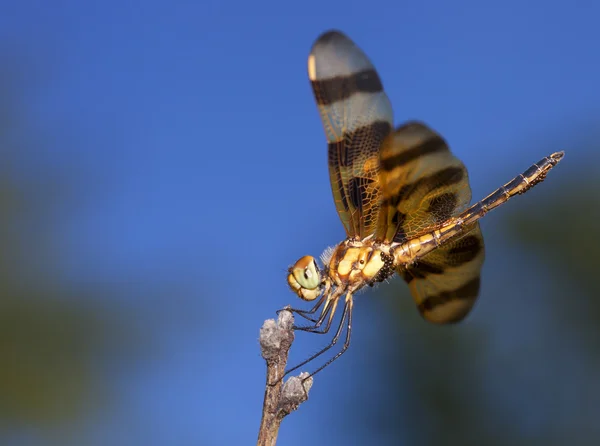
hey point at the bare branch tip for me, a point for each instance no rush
(285, 319)
(281, 398)
(273, 334)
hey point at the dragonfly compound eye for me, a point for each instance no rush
(305, 278)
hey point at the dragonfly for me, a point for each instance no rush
(403, 199)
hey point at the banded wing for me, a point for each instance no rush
(445, 282)
(357, 116)
(423, 185)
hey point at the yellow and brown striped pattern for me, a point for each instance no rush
(445, 282)
(442, 266)
(423, 183)
(357, 116)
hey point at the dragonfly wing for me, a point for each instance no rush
(423, 183)
(445, 282)
(357, 116)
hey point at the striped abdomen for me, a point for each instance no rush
(418, 247)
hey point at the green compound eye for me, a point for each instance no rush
(306, 272)
(305, 278)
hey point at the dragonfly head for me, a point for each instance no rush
(304, 278)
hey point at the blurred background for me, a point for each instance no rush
(151, 157)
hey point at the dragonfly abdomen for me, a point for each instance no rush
(418, 247)
(518, 185)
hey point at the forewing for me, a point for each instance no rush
(357, 116)
(423, 183)
(445, 282)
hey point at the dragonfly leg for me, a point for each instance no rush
(346, 315)
(349, 306)
(306, 314)
(329, 309)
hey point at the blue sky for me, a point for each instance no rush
(203, 163)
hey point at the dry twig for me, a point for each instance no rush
(281, 399)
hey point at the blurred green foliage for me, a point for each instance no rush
(54, 335)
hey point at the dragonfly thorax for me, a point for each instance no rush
(355, 264)
(349, 266)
